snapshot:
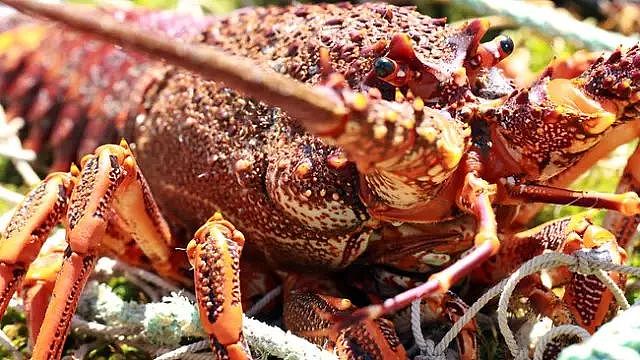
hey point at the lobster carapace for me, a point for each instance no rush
(335, 123)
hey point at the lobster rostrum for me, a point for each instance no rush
(328, 136)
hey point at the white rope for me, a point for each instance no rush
(94, 328)
(580, 261)
(167, 322)
(187, 351)
(562, 330)
(416, 326)
(153, 279)
(180, 352)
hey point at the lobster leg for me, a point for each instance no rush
(310, 306)
(624, 228)
(109, 180)
(214, 254)
(34, 218)
(586, 298)
(40, 278)
(627, 203)
(38, 283)
(476, 197)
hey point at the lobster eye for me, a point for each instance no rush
(506, 45)
(384, 67)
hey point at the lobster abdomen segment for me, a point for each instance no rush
(76, 92)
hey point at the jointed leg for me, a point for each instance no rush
(29, 227)
(475, 198)
(585, 298)
(624, 228)
(109, 181)
(627, 203)
(38, 283)
(310, 306)
(214, 254)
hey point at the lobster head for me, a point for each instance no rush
(434, 66)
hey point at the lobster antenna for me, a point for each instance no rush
(318, 111)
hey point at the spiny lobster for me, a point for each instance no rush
(332, 136)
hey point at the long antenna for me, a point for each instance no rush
(314, 108)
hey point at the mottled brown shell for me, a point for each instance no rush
(280, 185)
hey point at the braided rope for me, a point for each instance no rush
(580, 261)
(562, 330)
(416, 326)
(186, 350)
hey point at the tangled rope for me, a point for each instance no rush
(183, 351)
(164, 324)
(581, 261)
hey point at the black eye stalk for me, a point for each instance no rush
(384, 67)
(506, 45)
(491, 53)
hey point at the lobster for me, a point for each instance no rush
(322, 138)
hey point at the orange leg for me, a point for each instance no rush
(624, 228)
(38, 283)
(109, 183)
(214, 254)
(587, 300)
(31, 224)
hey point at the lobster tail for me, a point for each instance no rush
(75, 92)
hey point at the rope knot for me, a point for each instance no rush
(587, 260)
(429, 352)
